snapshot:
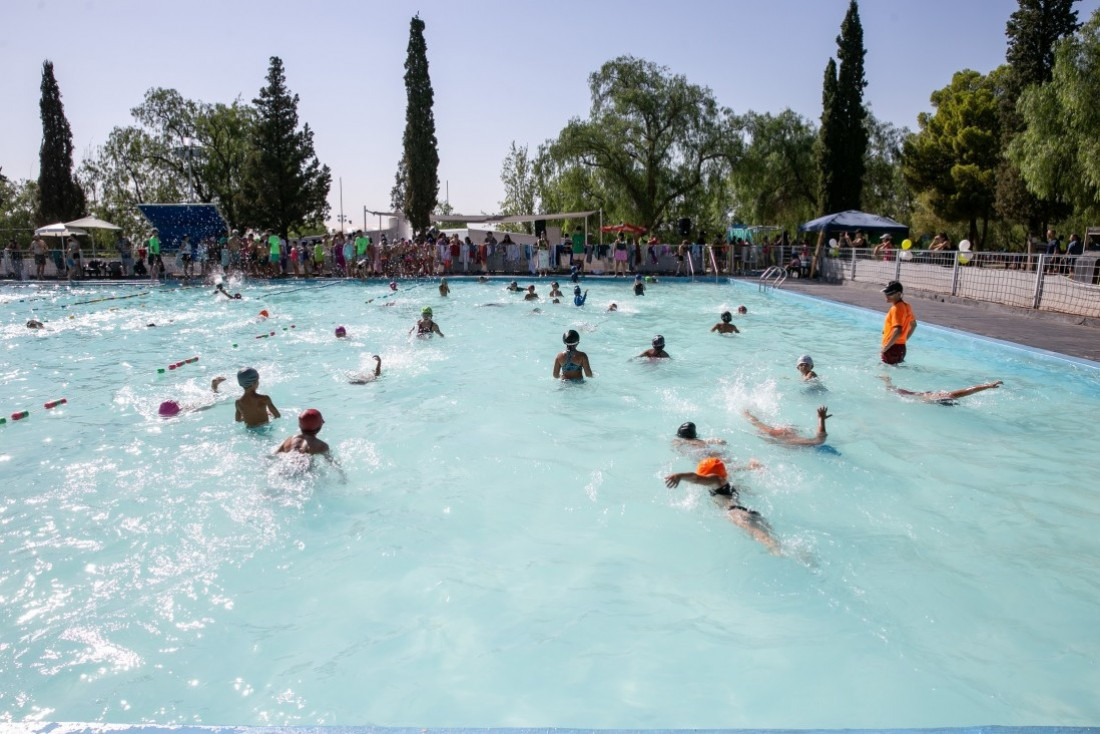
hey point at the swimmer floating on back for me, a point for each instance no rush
(943, 397)
(711, 473)
(789, 436)
(724, 326)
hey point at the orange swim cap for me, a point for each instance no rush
(711, 467)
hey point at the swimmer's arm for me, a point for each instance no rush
(557, 367)
(271, 407)
(822, 414)
(215, 382)
(238, 416)
(587, 367)
(377, 365)
(285, 447)
(715, 327)
(912, 328)
(436, 329)
(719, 441)
(711, 480)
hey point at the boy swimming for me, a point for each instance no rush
(252, 407)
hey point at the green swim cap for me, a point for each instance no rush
(426, 311)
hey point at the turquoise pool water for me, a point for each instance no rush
(503, 551)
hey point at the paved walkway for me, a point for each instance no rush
(1075, 336)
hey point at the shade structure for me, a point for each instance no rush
(60, 229)
(851, 220)
(628, 228)
(92, 223)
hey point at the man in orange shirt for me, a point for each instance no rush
(899, 326)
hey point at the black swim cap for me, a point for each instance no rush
(727, 316)
(687, 430)
(658, 342)
(571, 338)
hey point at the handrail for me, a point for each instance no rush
(713, 262)
(691, 263)
(774, 276)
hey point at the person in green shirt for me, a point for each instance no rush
(155, 263)
(319, 258)
(577, 256)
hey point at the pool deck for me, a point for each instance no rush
(1074, 336)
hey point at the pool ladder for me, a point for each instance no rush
(773, 277)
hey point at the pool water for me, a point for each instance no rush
(501, 549)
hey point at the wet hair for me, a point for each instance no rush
(687, 430)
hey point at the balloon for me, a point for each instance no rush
(963, 258)
(832, 242)
(964, 245)
(905, 254)
(906, 244)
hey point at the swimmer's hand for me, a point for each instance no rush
(673, 480)
(215, 382)
(823, 413)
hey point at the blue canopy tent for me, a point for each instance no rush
(173, 221)
(852, 220)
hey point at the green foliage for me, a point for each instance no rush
(418, 173)
(775, 181)
(181, 150)
(60, 197)
(955, 155)
(18, 202)
(1059, 152)
(569, 186)
(885, 190)
(284, 187)
(843, 142)
(652, 140)
(1032, 31)
(518, 176)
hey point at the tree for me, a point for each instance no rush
(18, 202)
(650, 136)
(418, 173)
(843, 126)
(60, 197)
(885, 190)
(1059, 151)
(955, 155)
(284, 187)
(1032, 31)
(775, 181)
(517, 175)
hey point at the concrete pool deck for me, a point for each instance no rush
(1074, 336)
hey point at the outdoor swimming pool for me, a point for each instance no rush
(504, 552)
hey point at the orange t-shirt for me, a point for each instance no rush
(900, 314)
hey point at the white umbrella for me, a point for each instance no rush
(92, 223)
(58, 230)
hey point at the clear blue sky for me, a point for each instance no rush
(501, 70)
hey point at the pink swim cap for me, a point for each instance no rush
(393, 285)
(341, 332)
(169, 408)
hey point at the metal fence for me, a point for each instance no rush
(1061, 283)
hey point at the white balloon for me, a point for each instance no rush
(964, 245)
(832, 242)
(905, 255)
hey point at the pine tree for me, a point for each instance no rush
(60, 198)
(841, 154)
(284, 187)
(421, 159)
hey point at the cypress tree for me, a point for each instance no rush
(421, 155)
(60, 198)
(827, 144)
(851, 116)
(284, 187)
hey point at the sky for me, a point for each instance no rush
(502, 71)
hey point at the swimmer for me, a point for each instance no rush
(555, 291)
(805, 365)
(513, 286)
(658, 349)
(686, 435)
(253, 408)
(789, 436)
(572, 364)
(444, 289)
(639, 286)
(220, 288)
(306, 442)
(35, 324)
(711, 473)
(943, 397)
(725, 326)
(578, 299)
(362, 378)
(482, 279)
(530, 295)
(341, 332)
(556, 300)
(574, 273)
(741, 310)
(425, 326)
(393, 285)
(613, 307)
